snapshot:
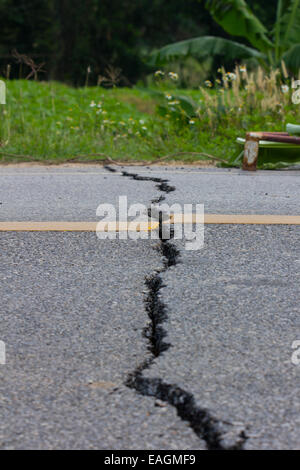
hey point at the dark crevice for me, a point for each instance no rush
(162, 186)
(169, 252)
(158, 200)
(205, 426)
(109, 168)
(157, 314)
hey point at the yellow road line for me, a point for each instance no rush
(65, 226)
(62, 226)
(256, 219)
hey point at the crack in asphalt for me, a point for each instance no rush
(205, 426)
(161, 186)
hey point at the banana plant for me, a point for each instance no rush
(237, 19)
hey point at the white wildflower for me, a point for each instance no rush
(231, 76)
(173, 76)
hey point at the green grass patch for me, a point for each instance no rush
(51, 122)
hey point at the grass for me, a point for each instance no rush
(51, 122)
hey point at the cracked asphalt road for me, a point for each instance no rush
(51, 193)
(72, 329)
(73, 316)
(232, 322)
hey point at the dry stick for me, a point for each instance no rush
(109, 159)
(207, 155)
(165, 157)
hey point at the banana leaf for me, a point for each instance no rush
(292, 58)
(237, 19)
(271, 155)
(201, 48)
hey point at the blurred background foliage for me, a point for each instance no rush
(81, 42)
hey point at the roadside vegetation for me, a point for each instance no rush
(236, 17)
(162, 93)
(52, 122)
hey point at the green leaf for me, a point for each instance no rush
(277, 29)
(292, 58)
(291, 24)
(237, 19)
(186, 103)
(201, 48)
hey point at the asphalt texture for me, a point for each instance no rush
(50, 193)
(72, 318)
(65, 194)
(233, 314)
(197, 357)
(233, 191)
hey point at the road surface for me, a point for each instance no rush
(130, 344)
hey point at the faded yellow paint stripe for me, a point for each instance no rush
(249, 219)
(252, 219)
(65, 226)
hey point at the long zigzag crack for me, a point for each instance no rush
(204, 425)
